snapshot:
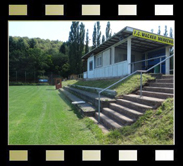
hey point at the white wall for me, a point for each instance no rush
(114, 70)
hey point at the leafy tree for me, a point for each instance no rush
(87, 42)
(103, 38)
(171, 32)
(65, 71)
(76, 46)
(107, 31)
(94, 36)
(166, 32)
(159, 30)
(98, 33)
(32, 43)
(62, 48)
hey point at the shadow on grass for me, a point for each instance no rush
(51, 89)
(73, 108)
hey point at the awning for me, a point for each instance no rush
(137, 44)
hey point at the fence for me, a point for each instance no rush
(22, 76)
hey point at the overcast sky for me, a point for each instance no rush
(59, 30)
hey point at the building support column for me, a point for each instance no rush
(167, 63)
(112, 55)
(129, 55)
(146, 62)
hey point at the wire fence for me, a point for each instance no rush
(22, 76)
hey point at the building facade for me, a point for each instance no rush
(129, 50)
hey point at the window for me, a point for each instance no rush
(120, 57)
(99, 61)
(91, 65)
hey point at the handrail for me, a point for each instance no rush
(141, 71)
(148, 59)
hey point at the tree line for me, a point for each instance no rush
(45, 56)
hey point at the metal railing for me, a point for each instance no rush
(140, 71)
(145, 60)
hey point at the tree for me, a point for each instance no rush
(171, 32)
(65, 71)
(76, 40)
(108, 28)
(32, 43)
(62, 48)
(98, 33)
(159, 31)
(94, 37)
(87, 42)
(103, 38)
(166, 32)
(152, 30)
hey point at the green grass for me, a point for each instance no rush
(125, 87)
(155, 127)
(40, 115)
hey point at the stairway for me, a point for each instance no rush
(128, 109)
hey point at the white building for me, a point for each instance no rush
(126, 52)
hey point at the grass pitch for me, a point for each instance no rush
(40, 115)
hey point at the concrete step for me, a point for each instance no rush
(133, 105)
(150, 101)
(108, 122)
(158, 89)
(131, 113)
(167, 76)
(164, 80)
(85, 108)
(90, 97)
(160, 95)
(103, 128)
(168, 85)
(121, 119)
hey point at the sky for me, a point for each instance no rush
(59, 30)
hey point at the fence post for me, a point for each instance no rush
(140, 84)
(34, 77)
(16, 76)
(25, 76)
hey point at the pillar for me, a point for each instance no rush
(112, 55)
(129, 55)
(167, 62)
(146, 62)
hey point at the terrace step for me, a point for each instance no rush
(167, 77)
(103, 128)
(131, 113)
(90, 97)
(85, 108)
(158, 89)
(170, 85)
(160, 95)
(121, 119)
(133, 105)
(108, 122)
(164, 80)
(150, 101)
